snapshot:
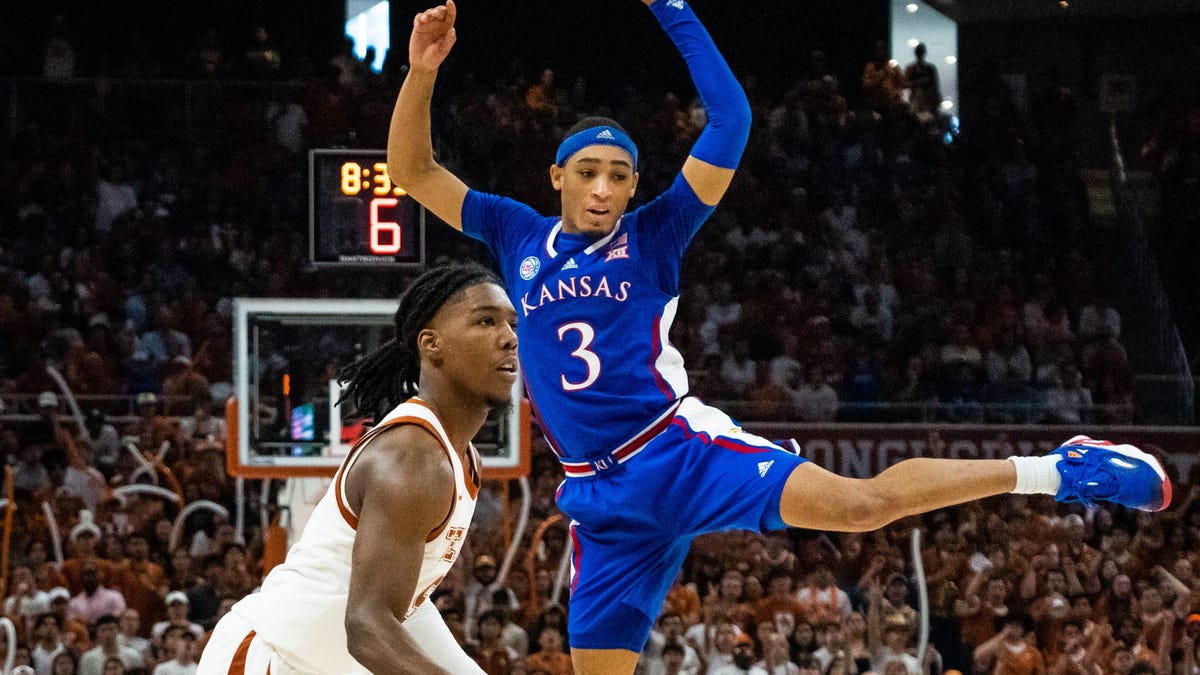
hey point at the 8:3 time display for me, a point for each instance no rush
(357, 216)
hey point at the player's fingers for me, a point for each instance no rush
(430, 15)
(451, 11)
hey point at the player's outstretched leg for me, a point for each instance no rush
(1082, 470)
(1094, 471)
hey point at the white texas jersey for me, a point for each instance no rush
(301, 609)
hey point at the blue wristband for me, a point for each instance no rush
(724, 138)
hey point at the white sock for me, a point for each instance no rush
(1037, 475)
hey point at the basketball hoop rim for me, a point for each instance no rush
(235, 467)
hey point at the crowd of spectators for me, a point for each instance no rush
(866, 253)
(860, 258)
(1014, 586)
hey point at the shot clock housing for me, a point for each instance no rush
(357, 217)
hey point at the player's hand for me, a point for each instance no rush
(432, 36)
(647, 2)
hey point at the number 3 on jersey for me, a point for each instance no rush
(586, 335)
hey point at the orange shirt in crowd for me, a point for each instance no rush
(1027, 661)
(684, 601)
(771, 609)
(494, 660)
(141, 583)
(74, 634)
(979, 626)
(49, 577)
(554, 664)
(72, 567)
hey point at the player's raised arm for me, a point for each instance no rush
(406, 487)
(710, 165)
(410, 146)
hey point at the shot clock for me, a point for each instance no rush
(357, 216)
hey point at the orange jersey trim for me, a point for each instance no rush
(238, 665)
(472, 475)
(339, 479)
(471, 479)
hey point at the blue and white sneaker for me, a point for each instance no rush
(1094, 471)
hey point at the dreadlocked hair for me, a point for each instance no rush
(382, 379)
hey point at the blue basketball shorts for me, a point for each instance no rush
(632, 525)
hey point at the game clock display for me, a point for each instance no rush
(357, 216)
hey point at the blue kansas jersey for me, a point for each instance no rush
(594, 313)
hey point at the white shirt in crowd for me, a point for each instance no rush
(651, 661)
(174, 667)
(92, 661)
(788, 668)
(43, 660)
(732, 669)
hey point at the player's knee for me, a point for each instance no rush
(865, 509)
(817, 498)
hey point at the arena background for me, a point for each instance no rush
(1140, 244)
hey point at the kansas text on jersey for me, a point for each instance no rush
(595, 314)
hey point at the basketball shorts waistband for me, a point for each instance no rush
(625, 452)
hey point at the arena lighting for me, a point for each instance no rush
(911, 7)
(947, 104)
(367, 24)
(913, 42)
(951, 60)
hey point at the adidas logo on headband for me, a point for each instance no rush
(604, 135)
(677, 4)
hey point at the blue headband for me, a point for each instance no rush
(595, 136)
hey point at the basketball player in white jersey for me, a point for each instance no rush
(351, 596)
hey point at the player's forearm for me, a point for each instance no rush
(724, 138)
(410, 138)
(384, 647)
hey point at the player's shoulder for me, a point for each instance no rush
(679, 198)
(488, 203)
(406, 452)
(403, 470)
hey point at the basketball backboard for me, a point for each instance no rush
(284, 419)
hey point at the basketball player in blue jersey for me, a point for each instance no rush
(649, 468)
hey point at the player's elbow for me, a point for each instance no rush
(418, 177)
(867, 508)
(407, 171)
(734, 120)
(362, 637)
(740, 114)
